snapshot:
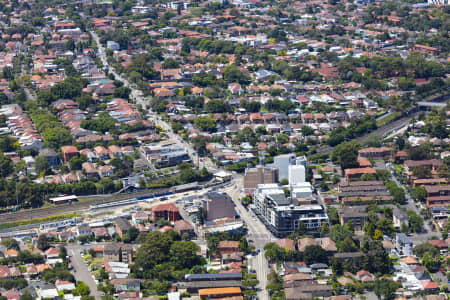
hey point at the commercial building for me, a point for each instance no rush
(297, 174)
(282, 215)
(218, 206)
(259, 175)
(301, 192)
(167, 212)
(282, 163)
(165, 154)
(226, 292)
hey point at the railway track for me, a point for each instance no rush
(71, 207)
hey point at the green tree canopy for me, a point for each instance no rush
(346, 154)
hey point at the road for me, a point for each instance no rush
(138, 97)
(416, 238)
(258, 233)
(256, 230)
(82, 273)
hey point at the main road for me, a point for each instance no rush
(258, 233)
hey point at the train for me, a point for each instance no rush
(130, 201)
(61, 224)
(152, 196)
(161, 195)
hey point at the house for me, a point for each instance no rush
(84, 229)
(115, 151)
(171, 74)
(122, 226)
(52, 253)
(430, 286)
(42, 267)
(11, 253)
(4, 272)
(12, 294)
(328, 245)
(15, 272)
(305, 242)
(126, 284)
(31, 270)
(102, 153)
(47, 291)
(441, 244)
(167, 211)
(425, 49)
(399, 217)
(105, 171)
(286, 243)
(139, 217)
(308, 291)
(64, 285)
(388, 246)
(235, 88)
(184, 228)
(365, 276)
(228, 247)
(51, 156)
(403, 244)
(410, 261)
(101, 233)
(68, 152)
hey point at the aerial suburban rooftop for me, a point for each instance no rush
(224, 149)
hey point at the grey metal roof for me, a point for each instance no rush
(223, 276)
